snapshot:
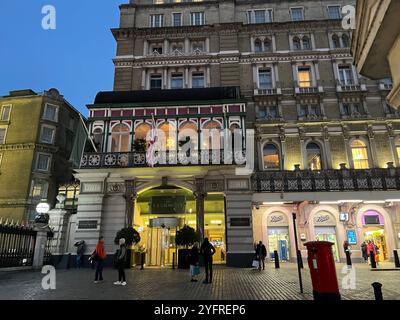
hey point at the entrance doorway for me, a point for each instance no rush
(161, 211)
(278, 239)
(325, 230)
(374, 230)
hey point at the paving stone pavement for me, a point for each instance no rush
(168, 284)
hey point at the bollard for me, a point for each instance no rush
(377, 290)
(142, 255)
(396, 259)
(300, 259)
(173, 260)
(276, 256)
(372, 259)
(348, 258)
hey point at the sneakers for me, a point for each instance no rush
(123, 283)
(117, 283)
(95, 282)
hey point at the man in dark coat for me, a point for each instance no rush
(261, 252)
(207, 250)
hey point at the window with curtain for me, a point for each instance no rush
(314, 156)
(359, 153)
(304, 76)
(346, 75)
(120, 138)
(271, 156)
(265, 79)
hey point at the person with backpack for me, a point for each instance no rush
(207, 250)
(120, 260)
(98, 256)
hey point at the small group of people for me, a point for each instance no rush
(99, 255)
(260, 255)
(206, 250)
(367, 247)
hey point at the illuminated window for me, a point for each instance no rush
(304, 76)
(359, 152)
(398, 148)
(166, 139)
(271, 156)
(211, 136)
(314, 158)
(188, 135)
(120, 138)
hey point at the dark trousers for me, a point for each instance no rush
(121, 272)
(261, 261)
(208, 262)
(99, 270)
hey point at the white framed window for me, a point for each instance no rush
(198, 80)
(352, 109)
(264, 45)
(334, 12)
(50, 112)
(176, 19)
(43, 162)
(346, 76)
(197, 18)
(310, 111)
(155, 81)
(268, 112)
(5, 113)
(3, 132)
(265, 79)
(260, 16)
(297, 13)
(304, 77)
(47, 134)
(177, 81)
(156, 20)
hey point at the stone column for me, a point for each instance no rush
(200, 195)
(59, 220)
(40, 244)
(130, 198)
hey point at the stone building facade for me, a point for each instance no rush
(37, 133)
(323, 133)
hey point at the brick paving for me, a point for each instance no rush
(168, 284)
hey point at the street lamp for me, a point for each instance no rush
(42, 209)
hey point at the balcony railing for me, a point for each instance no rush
(309, 90)
(162, 158)
(267, 92)
(351, 87)
(327, 180)
(385, 86)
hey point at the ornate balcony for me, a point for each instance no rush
(327, 180)
(267, 92)
(163, 158)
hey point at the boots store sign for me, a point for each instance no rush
(324, 219)
(277, 219)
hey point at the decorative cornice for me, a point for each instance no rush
(17, 146)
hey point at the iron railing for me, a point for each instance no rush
(327, 180)
(17, 245)
(165, 158)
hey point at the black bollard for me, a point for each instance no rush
(372, 259)
(276, 256)
(348, 258)
(396, 259)
(173, 260)
(377, 290)
(142, 255)
(300, 259)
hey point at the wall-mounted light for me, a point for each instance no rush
(216, 221)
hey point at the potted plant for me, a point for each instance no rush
(140, 145)
(185, 237)
(131, 237)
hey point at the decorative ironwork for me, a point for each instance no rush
(326, 180)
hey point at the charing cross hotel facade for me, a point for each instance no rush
(270, 80)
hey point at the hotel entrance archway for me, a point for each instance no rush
(161, 211)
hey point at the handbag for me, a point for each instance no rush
(256, 264)
(196, 271)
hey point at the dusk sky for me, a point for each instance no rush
(76, 58)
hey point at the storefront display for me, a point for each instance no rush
(374, 230)
(325, 230)
(278, 235)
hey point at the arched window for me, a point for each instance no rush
(359, 153)
(314, 156)
(211, 136)
(306, 43)
(257, 45)
(236, 134)
(345, 41)
(141, 133)
(267, 45)
(120, 138)
(98, 139)
(296, 43)
(166, 137)
(188, 135)
(271, 156)
(335, 41)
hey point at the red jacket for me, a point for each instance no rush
(371, 247)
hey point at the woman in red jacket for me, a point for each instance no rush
(371, 247)
(99, 255)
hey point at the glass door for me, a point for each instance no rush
(328, 234)
(278, 239)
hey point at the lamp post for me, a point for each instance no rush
(297, 251)
(42, 209)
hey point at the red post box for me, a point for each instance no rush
(323, 271)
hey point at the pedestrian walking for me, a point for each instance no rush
(80, 250)
(364, 251)
(371, 249)
(98, 256)
(194, 259)
(207, 250)
(120, 263)
(261, 252)
(347, 252)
